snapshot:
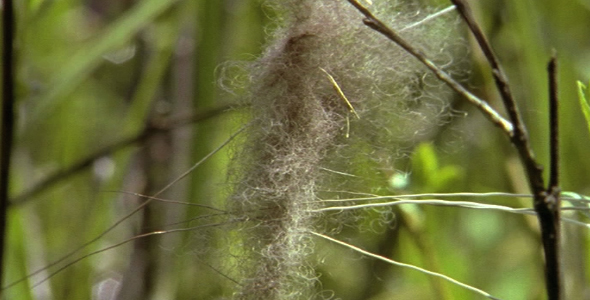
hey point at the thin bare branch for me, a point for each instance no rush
(520, 137)
(128, 215)
(429, 17)
(549, 208)
(485, 108)
(75, 261)
(63, 174)
(150, 129)
(553, 125)
(172, 201)
(545, 202)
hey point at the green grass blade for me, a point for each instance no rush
(90, 56)
(583, 95)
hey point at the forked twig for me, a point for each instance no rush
(520, 138)
(497, 72)
(546, 199)
(485, 108)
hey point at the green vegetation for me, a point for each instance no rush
(116, 100)
(584, 104)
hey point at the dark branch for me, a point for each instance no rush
(553, 124)
(7, 130)
(520, 138)
(498, 73)
(550, 207)
(546, 201)
(548, 215)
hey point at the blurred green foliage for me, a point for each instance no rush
(93, 73)
(584, 104)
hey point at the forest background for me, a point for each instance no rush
(118, 97)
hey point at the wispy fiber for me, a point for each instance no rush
(323, 84)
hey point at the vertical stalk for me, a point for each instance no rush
(7, 119)
(553, 124)
(550, 206)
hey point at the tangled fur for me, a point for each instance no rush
(303, 126)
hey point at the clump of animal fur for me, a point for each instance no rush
(302, 124)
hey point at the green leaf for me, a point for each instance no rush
(583, 96)
(426, 157)
(430, 175)
(577, 200)
(90, 56)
